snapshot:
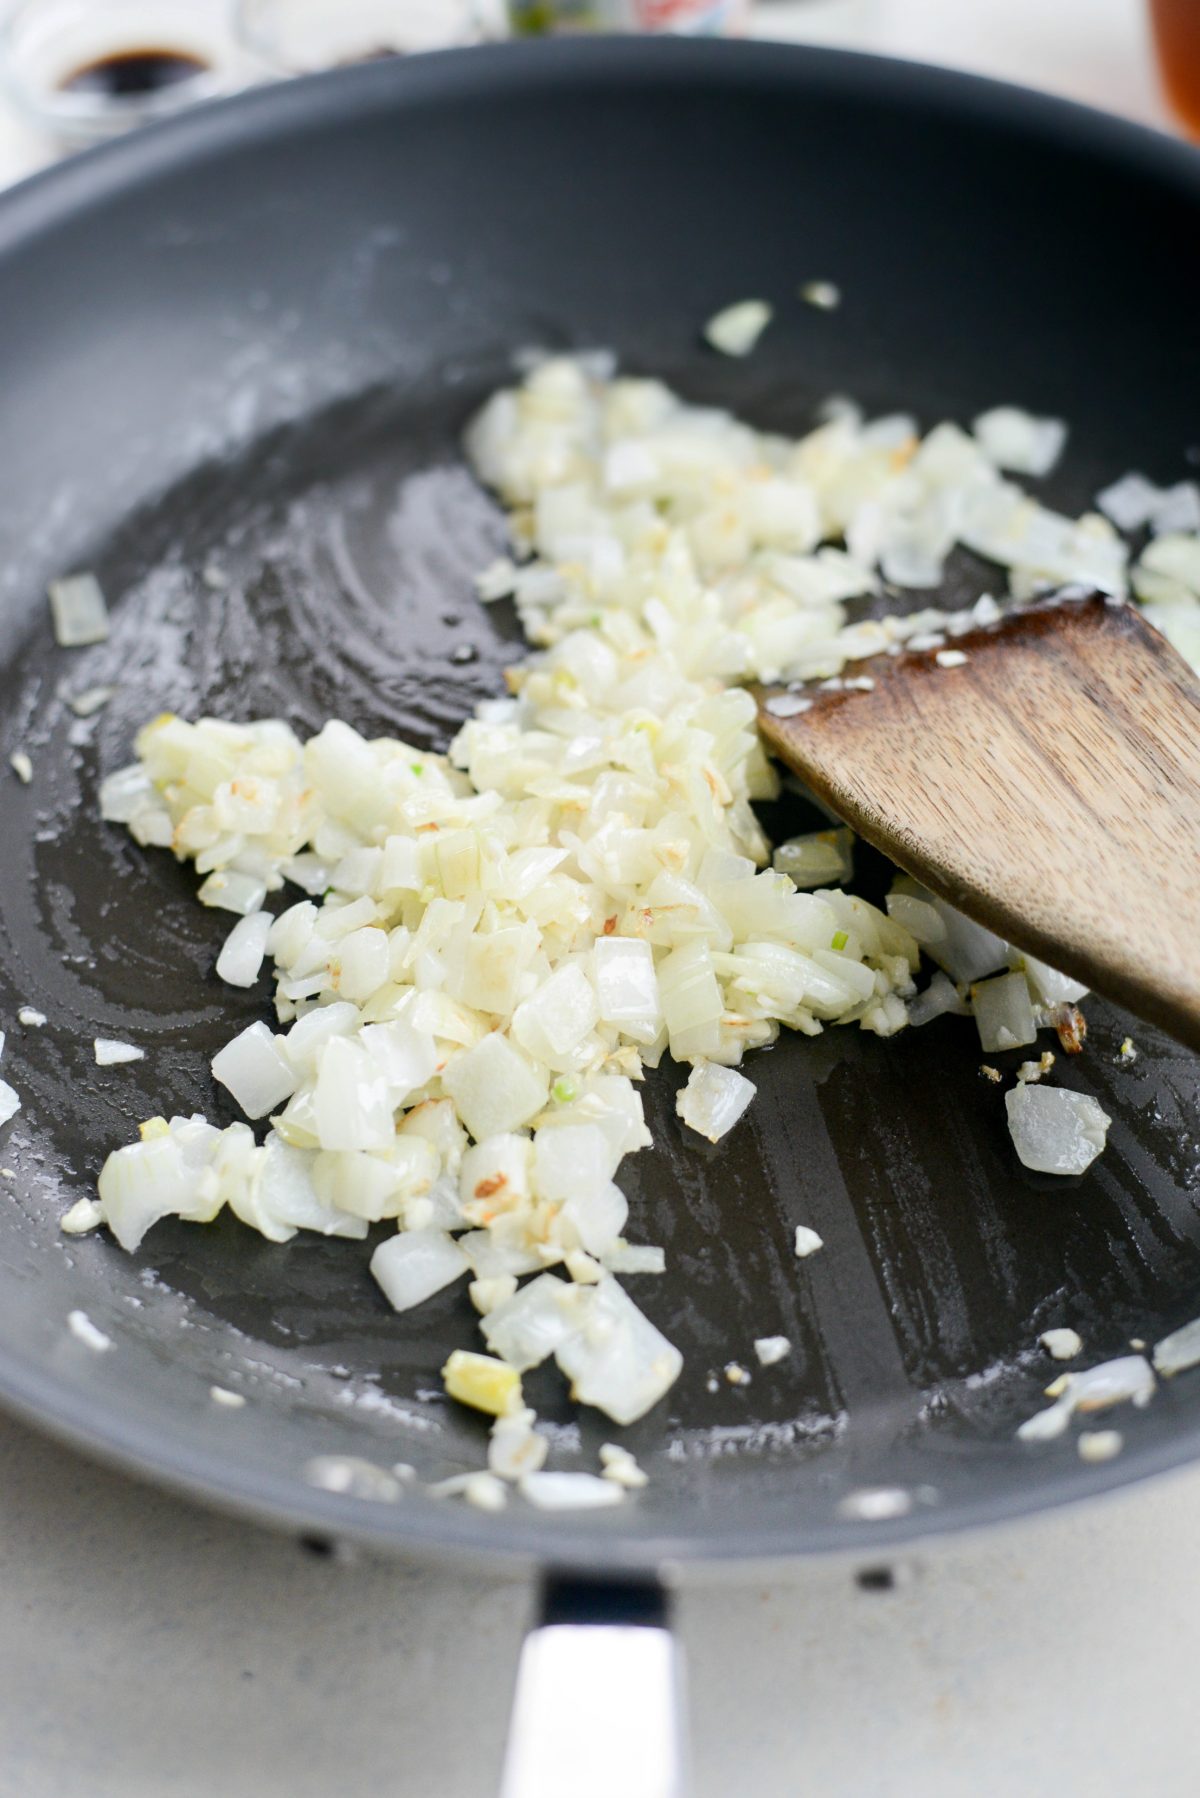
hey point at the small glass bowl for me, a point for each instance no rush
(84, 70)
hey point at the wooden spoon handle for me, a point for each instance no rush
(1049, 787)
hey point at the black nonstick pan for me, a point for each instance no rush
(236, 356)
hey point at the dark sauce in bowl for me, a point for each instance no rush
(132, 74)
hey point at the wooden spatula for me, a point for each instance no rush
(1048, 786)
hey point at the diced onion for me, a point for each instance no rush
(242, 953)
(255, 1071)
(822, 858)
(713, 1099)
(536, 1321)
(240, 893)
(410, 1268)
(1017, 441)
(78, 611)
(1003, 1012)
(1047, 985)
(497, 941)
(635, 1258)
(1179, 1350)
(919, 917)
(617, 1361)
(1055, 1131)
(494, 1087)
(968, 951)
(939, 998)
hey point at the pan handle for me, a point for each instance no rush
(599, 1705)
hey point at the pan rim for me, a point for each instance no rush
(49, 201)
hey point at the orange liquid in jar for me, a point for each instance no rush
(1177, 34)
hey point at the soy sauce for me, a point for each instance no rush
(131, 74)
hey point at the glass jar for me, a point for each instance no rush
(694, 18)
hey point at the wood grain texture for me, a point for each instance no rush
(1049, 787)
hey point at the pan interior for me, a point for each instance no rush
(322, 566)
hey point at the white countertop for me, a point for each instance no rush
(150, 1650)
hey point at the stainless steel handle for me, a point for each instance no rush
(599, 1706)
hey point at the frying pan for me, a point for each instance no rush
(236, 356)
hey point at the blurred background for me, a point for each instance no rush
(75, 71)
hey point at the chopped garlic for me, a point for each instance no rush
(515, 1447)
(221, 1395)
(876, 1504)
(496, 581)
(82, 1327)
(485, 1295)
(1128, 1378)
(951, 658)
(110, 1053)
(1061, 1345)
(806, 1242)
(825, 295)
(84, 1215)
(22, 767)
(621, 1468)
(482, 1382)
(485, 1491)
(771, 1349)
(90, 701)
(1100, 1445)
(737, 329)
(570, 1491)
(736, 1374)
(33, 1020)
